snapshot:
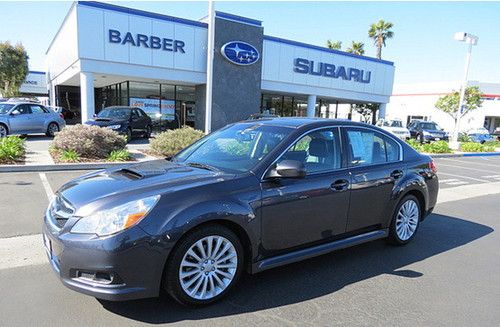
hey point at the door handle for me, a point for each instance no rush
(397, 174)
(340, 185)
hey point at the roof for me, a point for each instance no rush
(297, 122)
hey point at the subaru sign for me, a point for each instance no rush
(240, 53)
(304, 66)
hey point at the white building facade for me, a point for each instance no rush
(108, 55)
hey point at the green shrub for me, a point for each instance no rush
(12, 149)
(119, 155)
(172, 141)
(494, 144)
(69, 156)
(462, 137)
(415, 144)
(476, 147)
(436, 147)
(89, 142)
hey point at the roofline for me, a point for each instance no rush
(61, 26)
(239, 19)
(316, 47)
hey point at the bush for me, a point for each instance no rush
(12, 149)
(415, 144)
(476, 147)
(172, 141)
(69, 156)
(89, 142)
(494, 144)
(119, 155)
(462, 137)
(437, 147)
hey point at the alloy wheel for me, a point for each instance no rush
(407, 219)
(3, 131)
(53, 129)
(208, 267)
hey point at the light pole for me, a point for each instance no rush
(470, 40)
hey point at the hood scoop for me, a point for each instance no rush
(130, 173)
(150, 169)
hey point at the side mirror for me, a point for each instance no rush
(94, 115)
(288, 169)
(15, 112)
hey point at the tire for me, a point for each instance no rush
(204, 275)
(52, 129)
(403, 226)
(4, 131)
(147, 134)
(128, 135)
(420, 137)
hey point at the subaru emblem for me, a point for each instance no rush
(240, 53)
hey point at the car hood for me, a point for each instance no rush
(396, 129)
(105, 121)
(126, 182)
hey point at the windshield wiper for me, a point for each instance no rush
(202, 166)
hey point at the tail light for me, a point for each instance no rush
(61, 115)
(432, 166)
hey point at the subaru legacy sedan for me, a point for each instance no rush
(29, 118)
(251, 196)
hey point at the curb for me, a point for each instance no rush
(59, 167)
(465, 154)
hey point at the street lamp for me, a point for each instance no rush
(470, 40)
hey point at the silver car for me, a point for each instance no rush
(28, 118)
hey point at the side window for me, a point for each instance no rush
(319, 151)
(37, 109)
(365, 147)
(392, 148)
(24, 109)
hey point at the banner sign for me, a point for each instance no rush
(152, 108)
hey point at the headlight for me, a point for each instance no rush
(114, 126)
(113, 220)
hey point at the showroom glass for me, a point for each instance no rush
(318, 151)
(368, 147)
(4, 108)
(114, 113)
(237, 148)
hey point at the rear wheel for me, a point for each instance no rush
(405, 221)
(52, 129)
(204, 266)
(3, 130)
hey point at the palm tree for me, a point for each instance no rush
(357, 48)
(379, 32)
(335, 45)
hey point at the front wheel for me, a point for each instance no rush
(128, 135)
(147, 134)
(3, 131)
(204, 266)
(405, 221)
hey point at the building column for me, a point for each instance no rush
(381, 111)
(311, 105)
(87, 95)
(52, 94)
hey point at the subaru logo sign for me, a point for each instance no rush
(240, 53)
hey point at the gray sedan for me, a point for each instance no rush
(28, 118)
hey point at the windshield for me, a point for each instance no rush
(396, 123)
(115, 113)
(430, 126)
(237, 148)
(5, 107)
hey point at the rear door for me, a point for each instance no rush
(39, 118)
(22, 122)
(375, 164)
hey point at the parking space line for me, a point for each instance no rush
(466, 177)
(469, 162)
(469, 168)
(46, 186)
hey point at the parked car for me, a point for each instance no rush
(426, 131)
(128, 121)
(479, 135)
(28, 118)
(394, 126)
(67, 114)
(496, 133)
(249, 197)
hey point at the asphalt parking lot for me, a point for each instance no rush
(448, 276)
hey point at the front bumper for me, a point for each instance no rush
(129, 261)
(429, 138)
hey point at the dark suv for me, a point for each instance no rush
(249, 197)
(426, 131)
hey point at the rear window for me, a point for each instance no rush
(369, 147)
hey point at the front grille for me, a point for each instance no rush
(60, 211)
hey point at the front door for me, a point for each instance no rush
(298, 212)
(375, 166)
(22, 121)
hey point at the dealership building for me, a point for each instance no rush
(106, 55)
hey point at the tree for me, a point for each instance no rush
(335, 45)
(357, 48)
(380, 32)
(13, 68)
(450, 102)
(367, 110)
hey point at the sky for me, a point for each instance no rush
(423, 48)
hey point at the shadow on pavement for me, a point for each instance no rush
(314, 277)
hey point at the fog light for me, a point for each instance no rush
(96, 277)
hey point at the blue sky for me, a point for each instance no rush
(423, 48)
